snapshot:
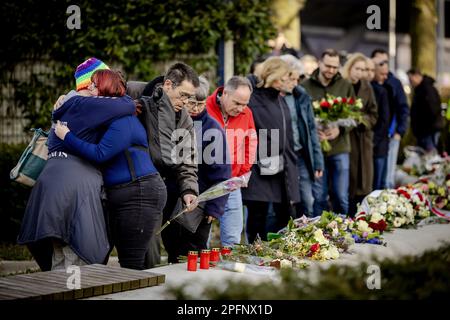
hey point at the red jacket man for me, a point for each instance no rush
(229, 108)
(228, 105)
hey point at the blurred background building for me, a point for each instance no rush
(416, 33)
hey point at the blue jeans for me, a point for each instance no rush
(337, 170)
(231, 223)
(306, 188)
(394, 145)
(379, 172)
(429, 142)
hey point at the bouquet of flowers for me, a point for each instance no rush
(391, 206)
(345, 231)
(334, 111)
(260, 253)
(337, 228)
(308, 240)
(419, 202)
(216, 191)
(438, 195)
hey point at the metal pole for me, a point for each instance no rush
(440, 38)
(392, 37)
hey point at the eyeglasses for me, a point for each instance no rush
(196, 104)
(185, 96)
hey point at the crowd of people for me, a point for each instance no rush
(125, 157)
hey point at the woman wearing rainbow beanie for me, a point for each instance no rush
(64, 222)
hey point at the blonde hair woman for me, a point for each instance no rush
(275, 176)
(361, 138)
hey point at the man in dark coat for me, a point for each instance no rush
(380, 130)
(426, 116)
(163, 112)
(399, 111)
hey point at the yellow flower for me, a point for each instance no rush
(318, 235)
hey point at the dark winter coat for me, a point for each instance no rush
(307, 131)
(381, 129)
(399, 105)
(265, 104)
(426, 116)
(215, 170)
(361, 140)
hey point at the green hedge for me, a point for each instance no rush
(139, 36)
(13, 195)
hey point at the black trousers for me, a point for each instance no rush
(257, 216)
(153, 255)
(178, 241)
(135, 211)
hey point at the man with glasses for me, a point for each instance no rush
(163, 104)
(399, 117)
(180, 238)
(228, 105)
(327, 80)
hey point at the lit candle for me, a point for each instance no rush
(192, 261)
(204, 259)
(214, 257)
(226, 251)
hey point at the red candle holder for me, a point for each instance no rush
(226, 251)
(204, 259)
(214, 256)
(192, 261)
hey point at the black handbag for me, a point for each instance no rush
(189, 220)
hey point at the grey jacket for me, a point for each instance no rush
(161, 121)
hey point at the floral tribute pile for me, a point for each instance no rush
(393, 208)
(439, 195)
(320, 238)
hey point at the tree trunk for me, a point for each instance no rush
(423, 36)
(287, 20)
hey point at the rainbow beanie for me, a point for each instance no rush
(85, 70)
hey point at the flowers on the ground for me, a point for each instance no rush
(439, 195)
(394, 208)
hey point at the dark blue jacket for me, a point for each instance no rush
(212, 168)
(307, 131)
(400, 120)
(89, 117)
(381, 128)
(124, 136)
